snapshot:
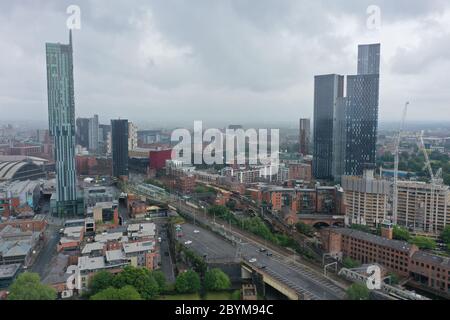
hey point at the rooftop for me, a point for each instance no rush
(92, 246)
(138, 246)
(114, 255)
(88, 263)
(384, 242)
(9, 270)
(431, 258)
(115, 236)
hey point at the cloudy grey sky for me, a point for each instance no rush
(227, 60)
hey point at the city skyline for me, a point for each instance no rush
(165, 69)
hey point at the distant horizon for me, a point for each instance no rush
(282, 124)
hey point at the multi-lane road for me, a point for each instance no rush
(305, 281)
(282, 266)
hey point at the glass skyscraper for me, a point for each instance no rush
(345, 127)
(119, 132)
(362, 111)
(327, 90)
(61, 116)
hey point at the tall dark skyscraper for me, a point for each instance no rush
(119, 132)
(82, 134)
(362, 111)
(61, 115)
(304, 136)
(345, 128)
(327, 89)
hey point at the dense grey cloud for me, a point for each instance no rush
(227, 60)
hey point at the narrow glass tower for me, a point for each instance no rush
(61, 118)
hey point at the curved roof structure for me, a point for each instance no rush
(19, 170)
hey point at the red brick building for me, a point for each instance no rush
(158, 158)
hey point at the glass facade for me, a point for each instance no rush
(119, 131)
(327, 89)
(61, 113)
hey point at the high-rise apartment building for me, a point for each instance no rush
(339, 138)
(304, 136)
(119, 135)
(422, 207)
(61, 114)
(93, 134)
(362, 111)
(327, 90)
(132, 136)
(366, 199)
(104, 135)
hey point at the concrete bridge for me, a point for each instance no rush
(258, 275)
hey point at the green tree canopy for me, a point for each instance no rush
(216, 279)
(160, 279)
(187, 282)
(350, 263)
(400, 233)
(100, 281)
(423, 242)
(124, 293)
(445, 235)
(358, 291)
(28, 286)
(139, 278)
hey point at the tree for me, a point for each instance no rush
(100, 281)
(393, 278)
(187, 282)
(216, 280)
(125, 293)
(400, 233)
(423, 242)
(160, 279)
(349, 263)
(28, 286)
(358, 291)
(139, 278)
(305, 229)
(445, 235)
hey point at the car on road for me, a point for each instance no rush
(262, 250)
(261, 266)
(188, 242)
(159, 239)
(269, 254)
(252, 260)
(166, 253)
(196, 231)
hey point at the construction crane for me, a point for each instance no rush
(436, 181)
(396, 161)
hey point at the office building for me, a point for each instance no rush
(119, 135)
(82, 133)
(61, 113)
(88, 133)
(327, 90)
(304, 136)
